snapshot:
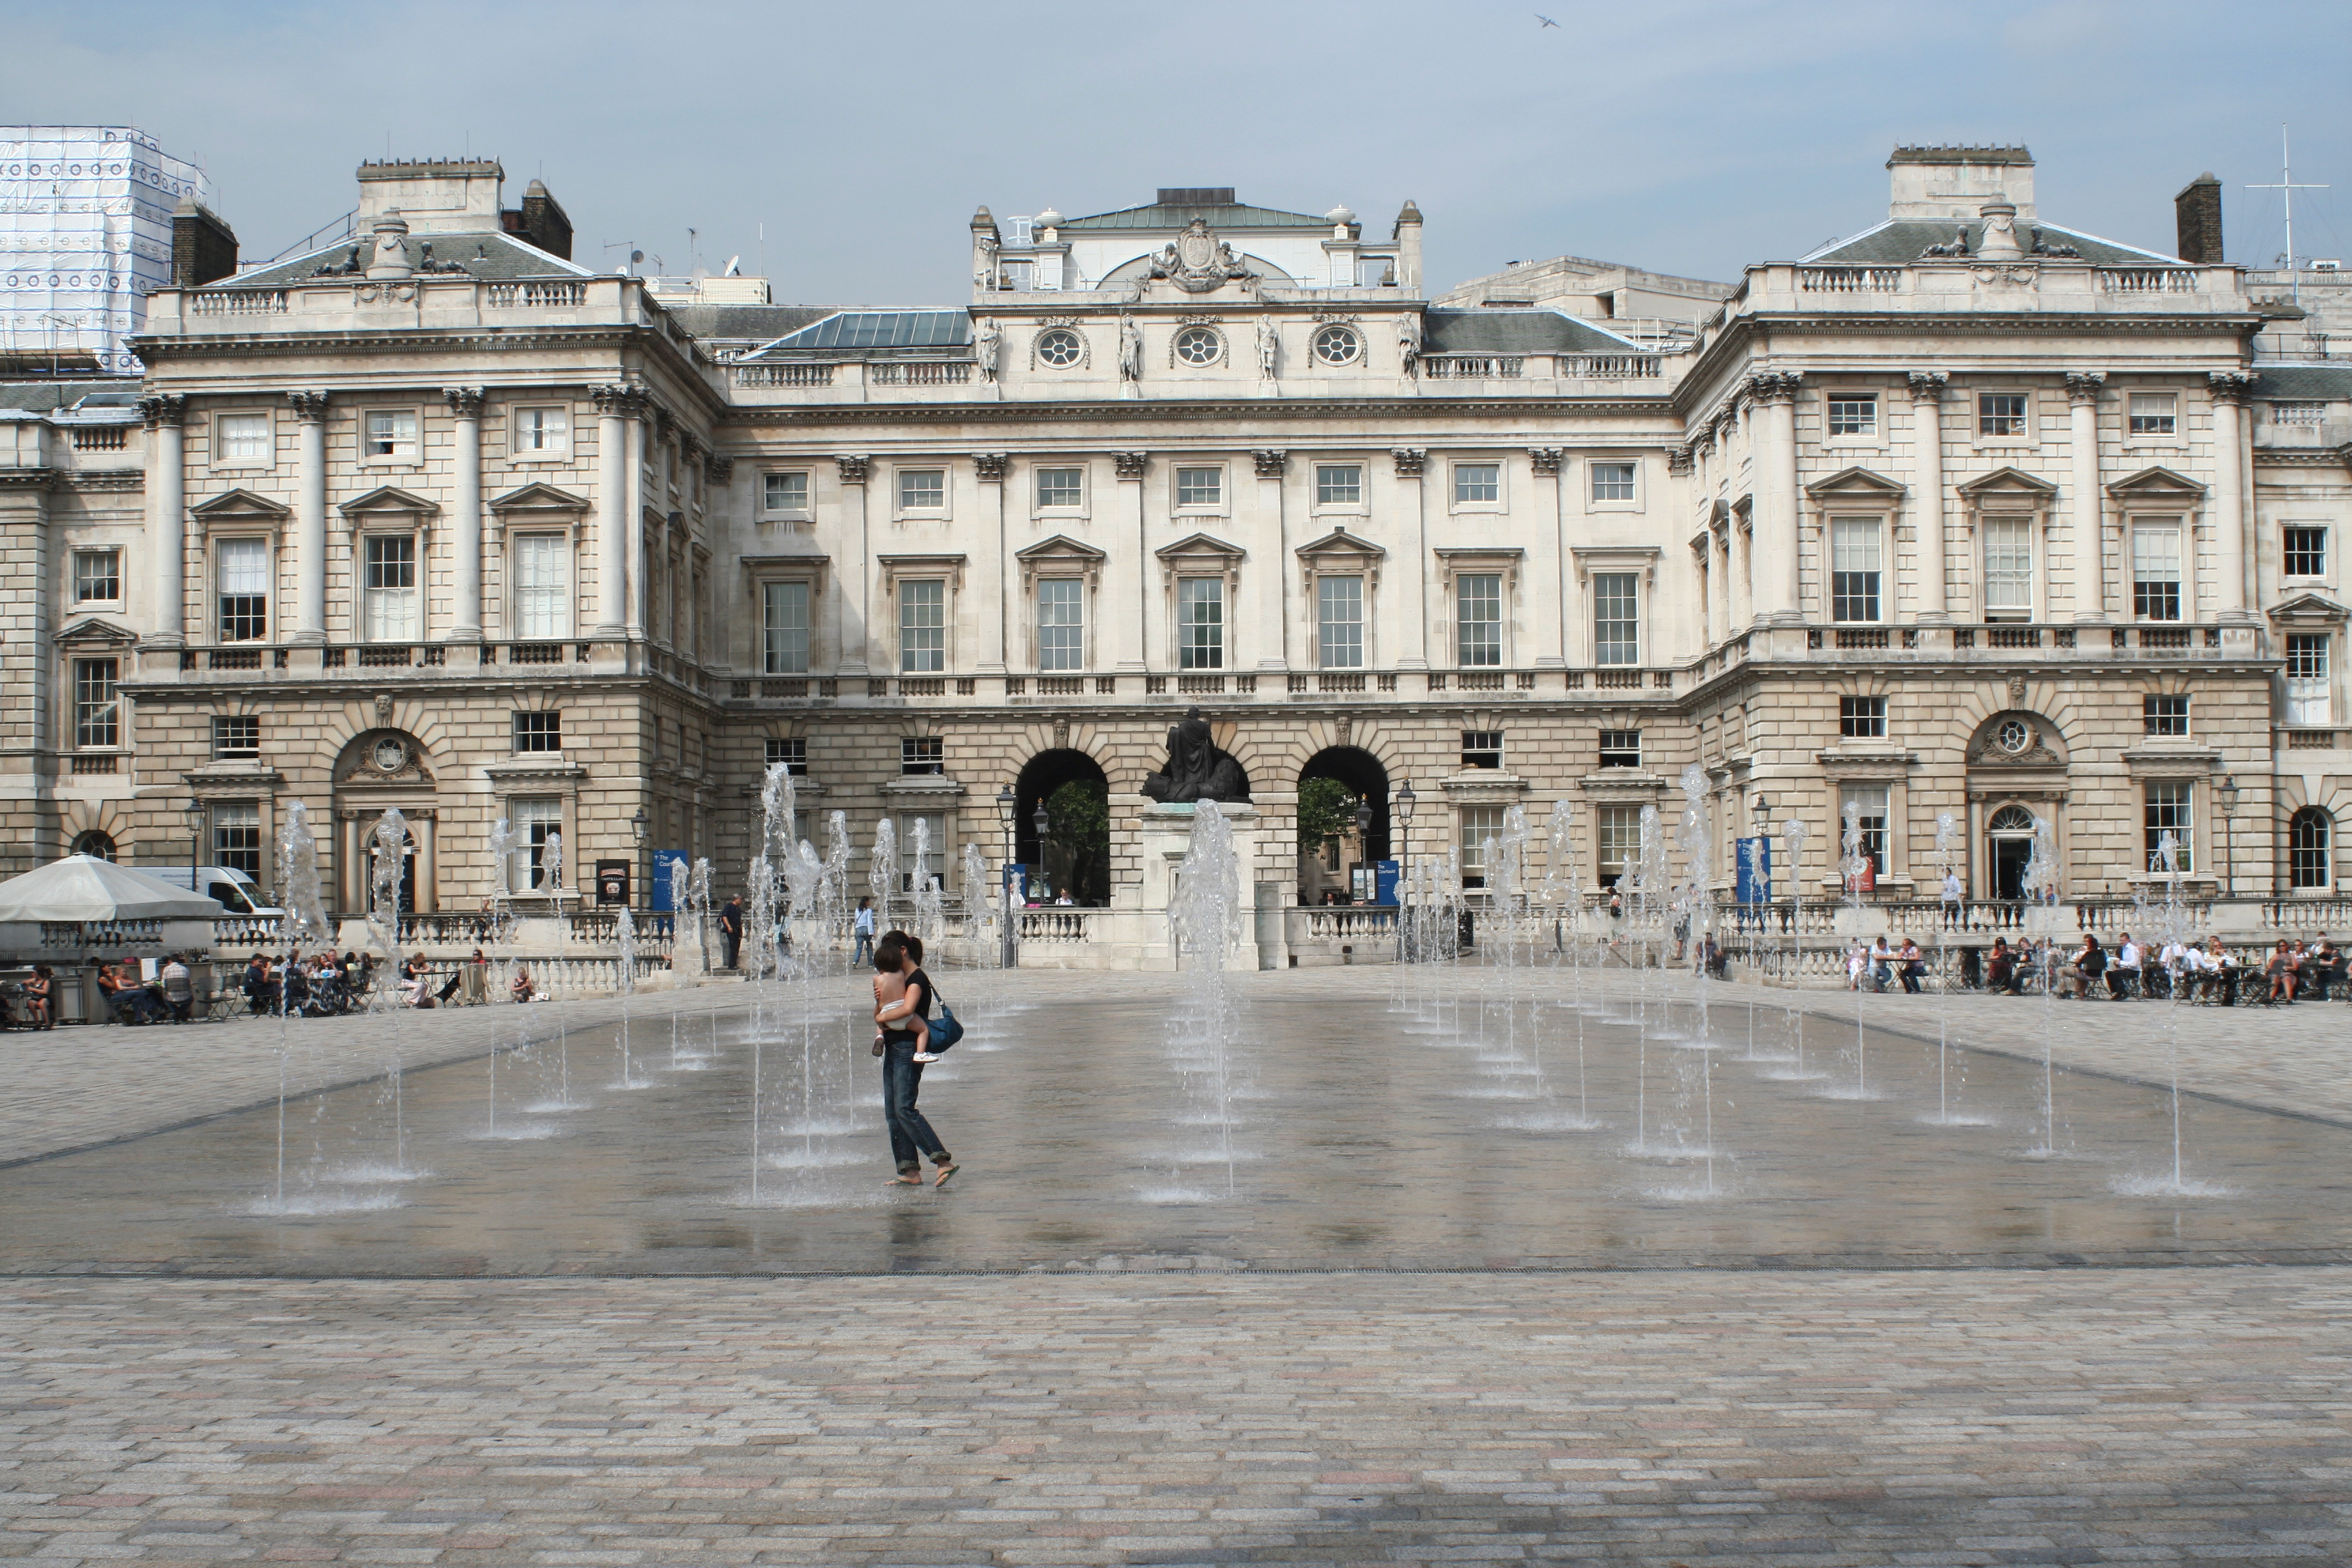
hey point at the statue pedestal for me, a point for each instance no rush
(1165, 837)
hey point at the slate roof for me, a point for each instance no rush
(47, 396)
(495, 257)
(918, 329)
(1519, 332)
(1898, 241)
(1237, 214)
(2304, 382)
(758, 323)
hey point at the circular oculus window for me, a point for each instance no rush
(2013, 736)
(390, 755)
(1198, 346)
(1060, 348)
(1338, 345)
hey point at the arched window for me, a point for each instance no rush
(2310, 836)
(98, 844)
(2011, 819)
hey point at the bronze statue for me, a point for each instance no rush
(1196, 769)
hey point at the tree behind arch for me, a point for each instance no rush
(1077, 822)
(1326, 810)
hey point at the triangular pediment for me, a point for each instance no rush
(536, 496)
(1200, 545)
(388, 499)
(2010, 480)
(2158, 482)
(1339, 542)
(240, 503)
(92, 632)
(2309, 610)
(1858, 481)
(1061, 547)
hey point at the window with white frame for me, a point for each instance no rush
(1478, 619)
(1339, 622)
(791, 752)
(534, 820)
(1060, 488)
(2001, 414)
(1853, 568)
(97, 708)
(1862, 718)
(1475, 483)
(1616, 618)
(1869, 803)
(539, 730)
(1618, 831)
(921, 756)
(390, 606)
(2154, 415)
(921, 854)
(2165, 715)
(1612, 482)
(241, 585)
(97, 576)
(236, 737)
(1339, 484)
(922, 489)
(2308, 700)
(542, 589)
(1201, 623)
(2310, 845)
(541, 430)
(1061, 622)
(2168, 808)
(237, 835)
(1200, 487)
(2008, 569)
(1482, 749)
(1852, 413)
(784, 491)
(784, 629)
(1480, 826)
(1619, 748)
(388, 435)
(2303, 550)
(2156, 569)
(242, 440)
(923, 627)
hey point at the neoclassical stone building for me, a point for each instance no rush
(1969, 514)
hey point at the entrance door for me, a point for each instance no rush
(2010, 854)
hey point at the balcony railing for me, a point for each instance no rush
(1849, 279)
(239, 302)
(101, 437)
(531, 295)
(918, 373)
(1612, 368)
(1058, 926)
(1455, 367)
(781, 374)
(2147, 280)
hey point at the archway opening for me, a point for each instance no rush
(2009, 846)
(1073, 858)
(95, 843)
(1325, 864)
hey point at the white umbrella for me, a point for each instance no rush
(85, 887)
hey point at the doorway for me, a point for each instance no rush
(2010, 837)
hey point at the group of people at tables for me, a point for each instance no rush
(2293, 970)
(323, 985)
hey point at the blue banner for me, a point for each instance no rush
(1755, 869)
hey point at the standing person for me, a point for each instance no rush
(730, 929)
(861, 926)
(1952, 896)
(901, 990)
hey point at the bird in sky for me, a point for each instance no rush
(1546, 21)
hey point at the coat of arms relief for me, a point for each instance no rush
(1198, 261)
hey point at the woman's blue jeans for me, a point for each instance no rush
(911, 1135)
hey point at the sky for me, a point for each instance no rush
(1686, 136)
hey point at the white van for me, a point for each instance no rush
(239, 894)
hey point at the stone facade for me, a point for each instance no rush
(1897, 522)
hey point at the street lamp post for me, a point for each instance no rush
(2228, 792)
(1759, 825)
(197, 816)
(1005, 806)
(637, 826)
(1405, 803)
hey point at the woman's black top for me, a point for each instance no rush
(907, 1036)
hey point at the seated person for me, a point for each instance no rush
(1911, 964)
(2090, 963)
(40, 991)
(128, 997)
(261, 989)
(521, 988)
(2279, 969)
(2123, 969)
(2000, 968)
(2326, 968)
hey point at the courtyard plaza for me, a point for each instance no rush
(1532, 1264)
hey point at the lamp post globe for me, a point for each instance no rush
(1005, 806)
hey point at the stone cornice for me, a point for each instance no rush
(1246, 415)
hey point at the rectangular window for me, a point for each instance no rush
(2298, 414)
(98, 575)
(244, 438)
(1482, 748)
(1339, 622)
(2164, 715)
(1619, 830)
(241, 566)
(1061, 487)
(1854, 413)
(2156, 572)
(533, 822)
(2169, 811)
(1200, 487)
(1862, 718)
(1854, 569)
(391, 587)
(1612, 481)
(1061, 624)
(922, 489)
(1616, 618)
(236, 737)
(792, 751)
(1620, 748)
(1479, 824)
(390, 434)
(924, 868)
(2305, 551)
(2310, 837)
(542, 587)
(2307, 698)
(2008, 569)
(2152, 414)
(540, 730)
(2001, 413)
(921, 754)
(98, 712)
(1478, 623)
(1478, 481)
(540, 432)
(784, 627)
(922, 627)
(784, 492)
(1201, 623)
(237, 835)
(1869, 802)
(1339, 484)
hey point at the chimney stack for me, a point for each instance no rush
(541, 221)
(2198, 211)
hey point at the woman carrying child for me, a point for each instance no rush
(902, 1007)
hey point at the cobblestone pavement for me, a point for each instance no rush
(1987, 1417)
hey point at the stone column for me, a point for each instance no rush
(1269, 594)
(167, 514)
(616, 411)
(1411, 574)
(2089, 513)
(1739, 551)
(2230, 389)
(466, 525)
(636, 610)
(1927, 474)
(1546, 576)
(994, 578)
(1134, 647)
(1776, 588)
(857, 632)
(310, 517)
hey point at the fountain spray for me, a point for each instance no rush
(1854, 866)
(1793, 833)
(2040, 886)
(1697, 907)
(1947, 835)
(383, 926)
(1205, 920)
(306, 922)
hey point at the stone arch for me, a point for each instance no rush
(108, 820)
(380, 767)
(2021, 737)
(1044, 772)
